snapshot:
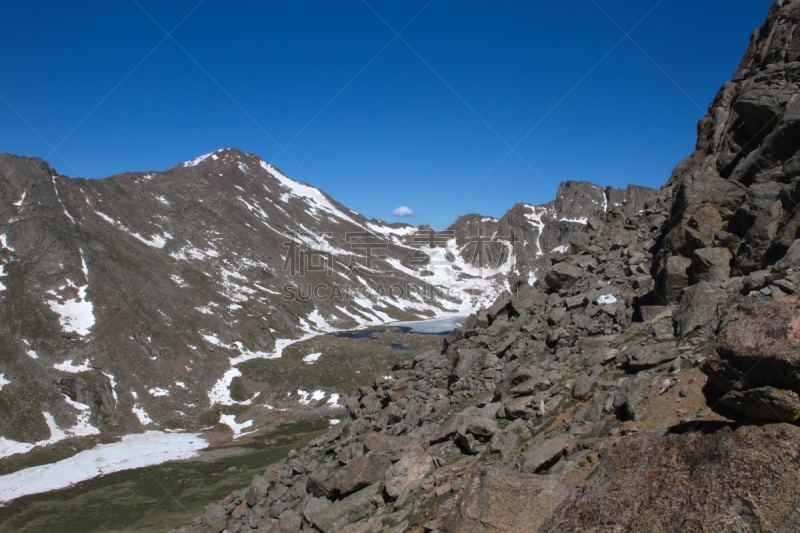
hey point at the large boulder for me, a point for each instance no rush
(672, 280)
(699, 307)
(756, 360)
(544, 454)
(715, 477)
(362, 472)
(562, 276)
(502, 501)
(412, 467)
(712, 265)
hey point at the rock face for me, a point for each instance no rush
(746, 478)
(757, 359)
(739, 190)
(501, 501)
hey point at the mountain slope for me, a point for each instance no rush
(137, 295)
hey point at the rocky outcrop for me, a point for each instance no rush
(502, 501)
(739, 190)
(699, 477)
(756, 361)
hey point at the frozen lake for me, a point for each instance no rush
(134, 451)
(432, 326)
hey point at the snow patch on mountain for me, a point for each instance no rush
(134, 451)
(582, 221)
(230, 421)
(76, 315)
(311, 195)
(156, 241)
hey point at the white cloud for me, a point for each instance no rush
(403, 211)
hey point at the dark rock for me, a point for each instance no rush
(699, 307)
(562, 276)
(712, 265)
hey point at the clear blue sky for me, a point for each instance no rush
(417, 127)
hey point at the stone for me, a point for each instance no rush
(214, 513)
(412, 467)
(628, 399)
(575, 302)
(712, 265)
(653, 481)
(652, 355)
(501, 501)
(456, 424)
(791, 259)
(699, 307)
(583, 387)
(467, 444)
(481, 427)
(672, 280)
(532, 386)
(464, 361)
(375, 442)
(765, 403)
(562, 276)
(515, 407)
(544, 454)
(758, 333)
(290, 523)
(350, 509)
(362, 472)
(321, 483)
(756, 281)
(654, 313)
(257, 490)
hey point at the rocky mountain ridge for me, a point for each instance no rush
(131, 302)
(647, 381)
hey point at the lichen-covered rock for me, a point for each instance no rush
(502, 501)
(757, 358)
(709, 477)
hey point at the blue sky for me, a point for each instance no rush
(328, 93)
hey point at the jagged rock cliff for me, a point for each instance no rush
(739, 191)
